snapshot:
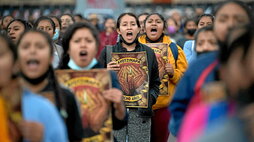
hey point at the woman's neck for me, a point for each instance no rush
(34, 88)
(129, 47)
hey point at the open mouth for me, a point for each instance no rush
(129, 33)
(33, 63)
(83, 54)
(12, 37)
(153, 30)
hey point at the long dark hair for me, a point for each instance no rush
(58, 19)
(60, 102)
(67, 37)
(27, 26)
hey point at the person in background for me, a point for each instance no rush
(108, 36)
(154, 27)
(58, 28)
(139, 123)
(94, 20)
(190, 27)
(177, 16)
(66, 21)
(35, 54)
(172, 29)
(36, 111)
(224, 99)
(16, 28)
(5, 22)
(199, 11)
(80, 46)
(205, 41)
(205, 68)
(47, 25)
(189, 46)
(141, 20)
(78, 18)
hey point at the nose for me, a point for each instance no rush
(154, 23)
(232, 23)
(129, 26)
(11, 32)
(83, 44)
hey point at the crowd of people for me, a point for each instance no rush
(208, 74)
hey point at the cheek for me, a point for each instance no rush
(73, 51)
(220, 32)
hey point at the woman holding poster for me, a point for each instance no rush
(137, 70)
(81, 43)
(172, 65)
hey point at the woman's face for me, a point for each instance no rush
(128, 28)
(34, 55)
(45, 26)
(82, 47)
(206, 42)
(66, 22)
(154, 27)
(6, 21)
(110, 24)
(204, 21)
(190, 25)
(229, 16)
(6, 63)
(15, 30)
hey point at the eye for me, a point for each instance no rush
(89, 40)
(222, 19)
(24, 46)
(77, 40)
(16, 29)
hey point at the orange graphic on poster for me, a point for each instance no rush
(133, 78)
(95, 110)
(161, 52)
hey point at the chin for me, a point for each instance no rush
(83, 65)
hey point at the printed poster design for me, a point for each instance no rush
(133, 77)
(95, 111)
(161, 52)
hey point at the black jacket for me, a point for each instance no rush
(152, 70)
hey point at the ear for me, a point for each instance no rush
(118, 31)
